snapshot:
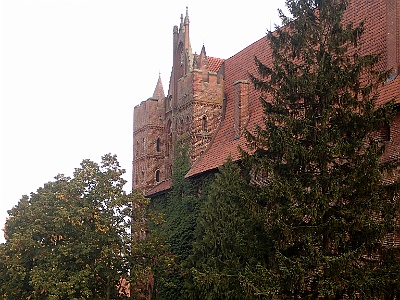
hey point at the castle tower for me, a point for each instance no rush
(195, 97)
(190, 113)
(149, 141)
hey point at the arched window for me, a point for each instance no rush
(143, 146)
(204, 123)
(158, 145)
(158, 176)
(137, 148)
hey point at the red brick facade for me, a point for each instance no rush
(190, 113)
(210, 101)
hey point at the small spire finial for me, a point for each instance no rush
(187, 16)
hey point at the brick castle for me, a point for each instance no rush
(210, 100)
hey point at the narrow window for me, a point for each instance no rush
(204, 124)
(158, 145)
(158, 176)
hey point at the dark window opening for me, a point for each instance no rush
(158, 176)
(158, 145)
(204, 123)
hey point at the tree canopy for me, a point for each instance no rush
(327, 206)
(63, 241)
(80, 238)
(228, 240)
(181, 208)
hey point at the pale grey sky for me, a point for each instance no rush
(72, 71)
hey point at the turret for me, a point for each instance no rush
(186, 25)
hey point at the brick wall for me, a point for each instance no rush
(198, 96)
(149, 126)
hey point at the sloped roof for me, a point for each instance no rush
(161, 187)
(215, 64)
(238, 66)
(390, 90)
(224, 144)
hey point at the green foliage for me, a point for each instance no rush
(148, 253)
(181, 208)
(229, 239)
(64, 242)
(325, 207)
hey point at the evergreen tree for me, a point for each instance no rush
(326, 206)
(228, 239)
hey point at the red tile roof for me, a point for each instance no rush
(161, 187)
(390, 90)
(238, 66)
(215, 64)
(223, 144)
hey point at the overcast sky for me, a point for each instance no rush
(73, 70)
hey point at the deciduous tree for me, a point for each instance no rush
(64, 241)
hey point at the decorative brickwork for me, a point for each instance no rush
(210, 102)
(190, 113)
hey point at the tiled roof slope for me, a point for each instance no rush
(224, 145)
(161, 187)
(215, 64)
(238, 66)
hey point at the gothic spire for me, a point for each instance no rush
(159, 90)
(202, 59)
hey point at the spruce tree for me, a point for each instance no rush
(228, 239)
(326, 206)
